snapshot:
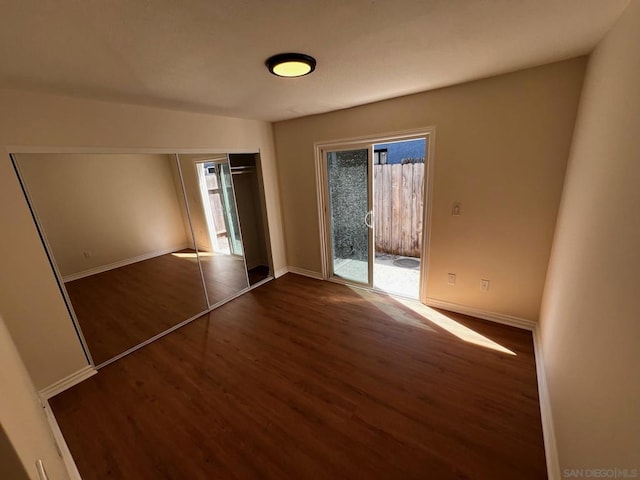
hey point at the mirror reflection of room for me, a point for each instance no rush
(214, 216)
(118, 231)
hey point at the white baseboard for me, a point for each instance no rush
(280, 272)
(121, 263)
(510, 320)
(61, 443)
(306, 273)
(67, 382)
(548, 430)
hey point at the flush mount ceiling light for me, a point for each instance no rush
(291, 64)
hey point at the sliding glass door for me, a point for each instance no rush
(349, 216)
(373, 208)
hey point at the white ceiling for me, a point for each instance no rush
(208, 55)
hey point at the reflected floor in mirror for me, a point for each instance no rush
(258, 274)
(123, 307)
(301, 378)
(225, 275)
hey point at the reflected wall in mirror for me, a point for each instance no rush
(118, 233)
(212, 205)
(250, 201)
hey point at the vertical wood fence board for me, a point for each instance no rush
(398, 208)
(405, 226)
(386, 206)
(416, 209)
(377, 177)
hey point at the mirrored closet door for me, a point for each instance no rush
(226, 204)
(214, 216)
(118, 235)
(143, 243)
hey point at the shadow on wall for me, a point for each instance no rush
(10, 465)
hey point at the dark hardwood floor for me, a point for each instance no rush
(121, 308)
(257, 274)
(224, 276)
(303, 379)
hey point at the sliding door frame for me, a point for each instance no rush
(322, 195)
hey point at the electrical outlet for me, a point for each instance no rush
(484, 285)
(87, 254)
(451, 278)
(456, 210)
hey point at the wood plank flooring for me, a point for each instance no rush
(121, 308)
(258, 274)
(224, 276)
(303, 379)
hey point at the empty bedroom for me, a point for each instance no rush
(328, 240)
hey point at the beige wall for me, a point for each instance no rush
(501, 150)
(21, 415)
(30, 301)
(590, 321)
(117, 207)
(180, 194)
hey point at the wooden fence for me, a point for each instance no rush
(398, 206)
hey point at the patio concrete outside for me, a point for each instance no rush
(391, 273)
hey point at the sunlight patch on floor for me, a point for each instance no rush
(398, 314)
(192, 254)
(453, 327)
